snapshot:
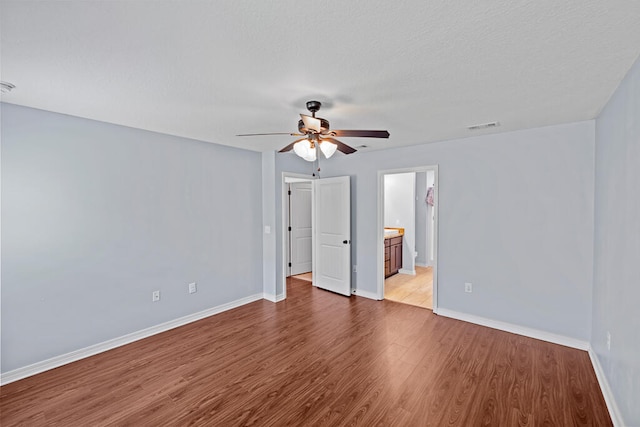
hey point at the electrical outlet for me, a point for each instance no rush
(155, 296)
(193, 288)
(468, 287)
(608, 340)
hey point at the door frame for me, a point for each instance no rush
(380, 223)
(287, 178)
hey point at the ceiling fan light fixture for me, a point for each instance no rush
(305, 150)
(328, 148)
(316, 134)
(311, 155)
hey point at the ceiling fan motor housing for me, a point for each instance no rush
(324, 126)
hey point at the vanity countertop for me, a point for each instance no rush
(390, 232)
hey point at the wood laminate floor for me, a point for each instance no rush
(307, 277)
(408, 289)
(317, 359)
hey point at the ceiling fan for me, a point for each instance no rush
(317, 133)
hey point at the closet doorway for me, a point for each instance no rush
(407, 242)
(298, 226)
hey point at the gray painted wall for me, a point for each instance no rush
(516, 220)
(424, 215)
(97, 216)
(617, 245)
(421, 219)
(431, 244)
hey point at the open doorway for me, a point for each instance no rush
(407, 220)
(297, 226)
(300, 261)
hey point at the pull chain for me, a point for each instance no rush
(316, 167)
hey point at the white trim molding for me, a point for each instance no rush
(516, 329)
(614, 411)
(63, 359)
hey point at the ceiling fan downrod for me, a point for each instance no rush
(313, 107)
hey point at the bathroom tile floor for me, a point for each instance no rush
(414, 290)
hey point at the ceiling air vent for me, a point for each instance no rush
(484, 126)
(6, 87)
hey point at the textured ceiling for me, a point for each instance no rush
(424, 70)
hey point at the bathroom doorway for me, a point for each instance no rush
(407, 220)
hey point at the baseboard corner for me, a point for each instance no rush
(612, 406)
(516, 329)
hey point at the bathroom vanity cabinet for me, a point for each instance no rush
(392, 255)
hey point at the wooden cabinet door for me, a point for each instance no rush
(387, 261)
(397, 251)
(392, 255)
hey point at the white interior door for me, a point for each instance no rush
(332, 234)
(300, 204)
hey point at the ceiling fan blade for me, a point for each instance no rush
(360, 133)
(290, 146)
(341, 146)
(275, 133)
(311, 123)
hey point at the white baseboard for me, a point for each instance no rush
(273, 298)
(516, 329)
(365, 294)
(614, 412)
(409, 272)
(612, 407)
(54, 362)
(57, 361)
